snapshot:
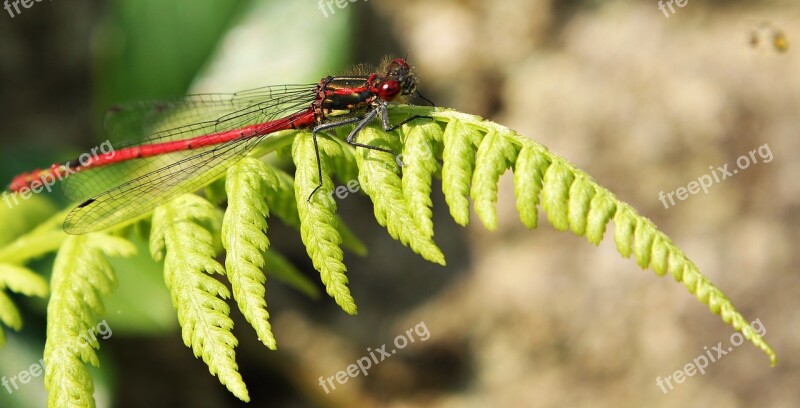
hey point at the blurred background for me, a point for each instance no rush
(643, 99)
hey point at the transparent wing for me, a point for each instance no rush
(187, 172)
(88, 183)
(116, 192)
(144, 122)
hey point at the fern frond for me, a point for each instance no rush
(244, 236)
(528, 181)
(45, 238)
(379, 180)
(318, 221)
(458, 157)
(419, 166)
(188, 233)
(572, 199)
(20, 219)
(250, 184)
(9, 315)
(342, 158)
(283, 204)
(495, 154)
(33, 244)
(652, 248)
(181, 238)
(20, 280)
(556, 200)
(81, 274)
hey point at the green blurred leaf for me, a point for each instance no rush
(153, 48)
(18, 219)
(140, 304)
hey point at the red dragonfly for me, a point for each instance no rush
(177, 146)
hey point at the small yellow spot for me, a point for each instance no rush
(779, 41)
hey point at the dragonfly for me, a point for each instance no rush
(178, 146)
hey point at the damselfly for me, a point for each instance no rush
(177, 146)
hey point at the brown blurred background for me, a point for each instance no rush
(642, 102)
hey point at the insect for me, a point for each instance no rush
(177, 146)
(765, 33)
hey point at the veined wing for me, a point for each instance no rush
(187, 171)
(158, 121)
(235, 113)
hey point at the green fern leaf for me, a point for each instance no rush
(20, 219)
(189, 232)
(601, 209)
(81, 274)
(654, 249)
(45, 238)
(318, 221)
(20, 280)
(529, 179)
(278, 190)
(496, 153)
(9, 315)
(342, 158)
(39, 241)
(379, 180)
(571, 199)
(181, 238)
(282, 203)
(244, 236)
(555, 194)
(458, 165)
(420, 164)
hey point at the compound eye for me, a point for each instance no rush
(388, 90)
(402, 63)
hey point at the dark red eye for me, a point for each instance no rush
(388, 90)
(402, 63)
